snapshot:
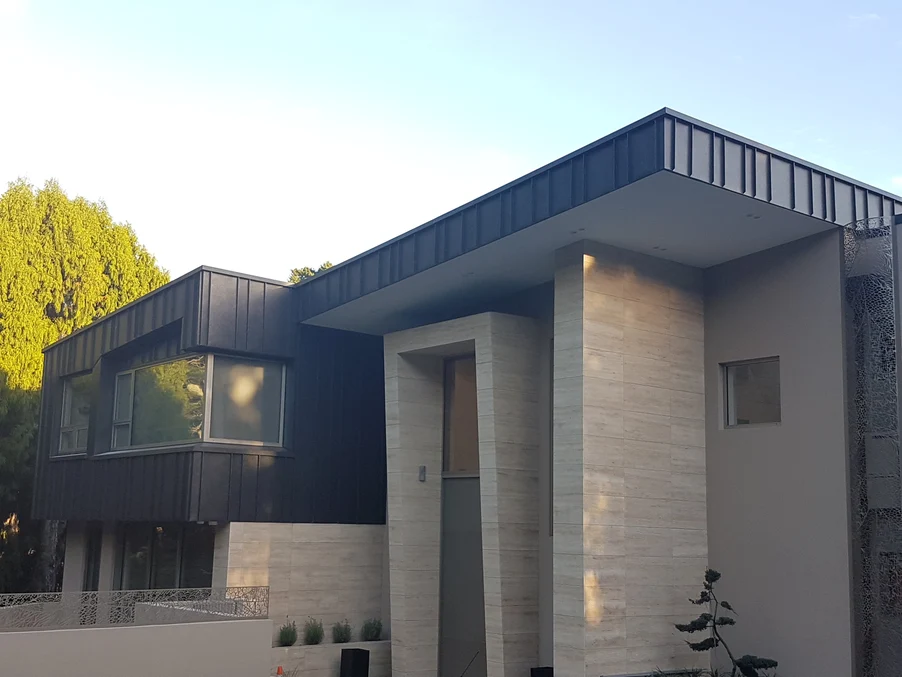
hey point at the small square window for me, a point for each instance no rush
(752, 392)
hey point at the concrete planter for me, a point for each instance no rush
(324, 660)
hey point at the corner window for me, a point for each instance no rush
(246, 401)
(160, 404)
(201, 397)
(77, 394)
(752, 392)
(461, 422)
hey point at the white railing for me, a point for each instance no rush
(112, 608)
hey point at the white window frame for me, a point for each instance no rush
(66, 427)
(729, 398)
(208, 404)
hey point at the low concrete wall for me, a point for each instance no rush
(218, 649)
(323, 660)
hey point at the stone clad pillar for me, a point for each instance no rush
(630, 530)
(506, 349)
(74, 562)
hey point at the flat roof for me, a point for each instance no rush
(666, 141)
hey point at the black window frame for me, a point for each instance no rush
(184, 531)
(121, 421)
(66, 427)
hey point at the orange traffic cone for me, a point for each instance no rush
(279, 671)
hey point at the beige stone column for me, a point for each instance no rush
(74, 560)
(507, 381)
(507, 389)
(109, 550)
(630, 539)
(413, 416)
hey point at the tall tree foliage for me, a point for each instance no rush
(63, 264)
(19, 546)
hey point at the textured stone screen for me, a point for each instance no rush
(876, 504)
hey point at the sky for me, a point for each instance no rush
(261, 136)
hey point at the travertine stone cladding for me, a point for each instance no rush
(630, 538)
(506, 350)
(328, 571)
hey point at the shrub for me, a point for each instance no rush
(313, 631)
(371, 630)
(341, 632)
(288, 633)
(712, 625)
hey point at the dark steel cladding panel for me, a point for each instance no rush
(244, 314)
(172, 484)
(666, 141)
(66, 488)
(597, 169)
(339, 428)
(334, 409)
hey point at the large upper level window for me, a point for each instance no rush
(77, 392)
(201, 397)
(752, 392)
(160, 404)
(247, 401)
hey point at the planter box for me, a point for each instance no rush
(324, 660)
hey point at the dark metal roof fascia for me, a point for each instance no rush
(612, 162)
(666, 140)
(700, 151)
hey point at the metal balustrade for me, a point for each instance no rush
(114, 608)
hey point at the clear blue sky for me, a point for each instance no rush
(325, 128)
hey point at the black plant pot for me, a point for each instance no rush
(541, 672)
(355, 663)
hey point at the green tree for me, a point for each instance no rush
(64, 263)
(305, 273)
(19, 546)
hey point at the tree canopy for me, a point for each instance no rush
(65, 263)
(305, 273)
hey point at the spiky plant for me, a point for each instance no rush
(709, 621)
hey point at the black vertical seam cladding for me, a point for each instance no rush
(690, 149)
(628, 161)
(792, 181)
(770, 178)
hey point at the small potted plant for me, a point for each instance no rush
(341, 632)
(288, 633)
(313, 631)
(371, 631)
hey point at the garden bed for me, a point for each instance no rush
(323, 660)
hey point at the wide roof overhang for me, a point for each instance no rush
(668, 186)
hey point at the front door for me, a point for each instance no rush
(462, 601)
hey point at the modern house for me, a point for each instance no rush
(519, 433)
